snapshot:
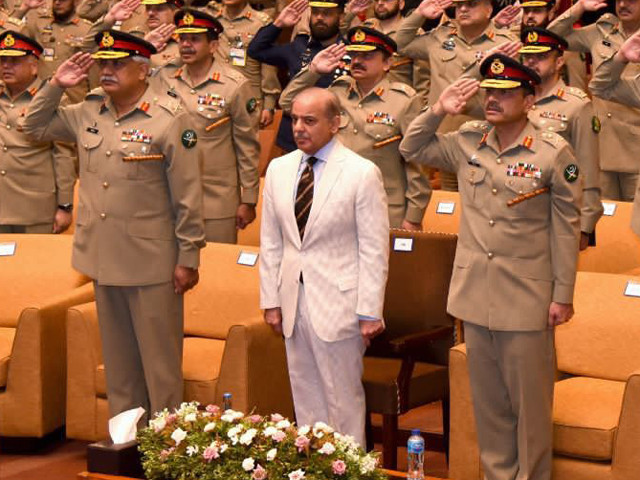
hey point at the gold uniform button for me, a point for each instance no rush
(108, 153)
(359, 106)
(192, 91)
(498, 161)
(105, 185)
(8, 127)
(103, 216)
(3, 172)
(492, 222)
(4, 149)
(11, 105)
(609, 115)
(494, 191)
(85, 145)
(117, 124)
(355, 131)
(490, 255)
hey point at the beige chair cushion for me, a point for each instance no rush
(201, 360)
(6, 343)
(586, 412)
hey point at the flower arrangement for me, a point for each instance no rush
(211, 444)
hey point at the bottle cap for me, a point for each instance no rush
(226, 395)
(415, 431)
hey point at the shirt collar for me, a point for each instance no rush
(323, 154)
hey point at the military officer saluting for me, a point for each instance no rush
(619, 161)
(568, 112)
(36, 177)
(375, 114)
(240, 23)
(220, 102)
(516, 258)
(139, 223)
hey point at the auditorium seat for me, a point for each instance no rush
(617, 246)
(595, 413)
(227, 348)
(251, 235)
(38, 286)
(436, 218)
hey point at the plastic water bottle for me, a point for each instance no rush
(415, 456)
(226, 401)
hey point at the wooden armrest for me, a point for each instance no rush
(417, 341)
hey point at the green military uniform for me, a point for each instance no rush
(517, 252)
(372, 125)
(232, 49)
(220, 108)
(619, 123)
(139, 215)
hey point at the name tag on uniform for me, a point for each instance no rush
(7, 249)
(248, 258)
(238, 57)
(403, 244)
(48, 54)
(609, 209)
(633, 289)
(446, 208)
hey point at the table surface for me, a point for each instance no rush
(101, 476)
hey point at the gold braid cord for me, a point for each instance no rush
(527, 196)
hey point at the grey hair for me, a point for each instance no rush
(141, 59)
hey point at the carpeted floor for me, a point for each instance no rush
(64, 460)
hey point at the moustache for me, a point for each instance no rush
(493, 107)
(108, 78)
(187, 51)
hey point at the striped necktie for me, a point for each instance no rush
(304, 196)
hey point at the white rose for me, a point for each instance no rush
(178, 435)
(368, 464)
(303, 430)
(190, 417)
(209, 426)
(327, 449)
(248, 464)
(297, 475)
(158, 424)
(247, 437)
(223, 447)
(192, 450)
(283, 424)
(271, 454)
(269, 431)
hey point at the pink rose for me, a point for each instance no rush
(279, 436)
(259, 473)
(164, 454)
(210, 453)
(276, 417)
(213, 409)
(171, 418)
(302, 443)
(339, 467)
(255, 418)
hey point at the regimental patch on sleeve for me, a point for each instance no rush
(596, 126)
(571, 173)
(252, 103)
(189, 138)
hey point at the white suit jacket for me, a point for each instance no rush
(345, 252)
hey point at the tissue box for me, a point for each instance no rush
(122, 459)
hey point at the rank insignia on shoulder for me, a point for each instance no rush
(189, 138)
(252, 104)
(571, 173)
(596, 126)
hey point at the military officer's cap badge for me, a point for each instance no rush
(188, 19)
(532, 37)
(9, 41)
(107, 40)
(359, 36)
(501, 71)
(497, 67)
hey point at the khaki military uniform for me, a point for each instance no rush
(139, 215)
(372, 125)
(94, 10)
(229, 148)
(608, 84)
(567, 111)
(60, 41)
(620, 124)
(450, 55)
(511, 263)
(232, 49)
(170, 53)
(35, 177)
(8, 22)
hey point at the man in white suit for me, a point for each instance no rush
(323, 263)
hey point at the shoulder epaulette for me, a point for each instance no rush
(608, 18)
(480, 127)
(551, 138)
(408, 90)
(577, 92)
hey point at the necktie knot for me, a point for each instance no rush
(311, 161)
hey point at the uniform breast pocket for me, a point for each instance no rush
(528, 197)
(89, 151)
(472, 183)
(213, 119)
(449, 60)
(379, 132)
(141, 161)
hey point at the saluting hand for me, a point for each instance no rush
(32, 4)
(291, 14)
(158, 37)
(184, 278)
(559, 313)
(510, 49)
(507, 16)
(121, 11)
(327, 60)
(358, 6)
(630, 49)
(454, 98)
(592, 5)
(433, 9)
(73, 71)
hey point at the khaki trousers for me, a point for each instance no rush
(512, 378)
(40, 228)
(221, 230)
(620, 186)
(142, 333)
(326, 377)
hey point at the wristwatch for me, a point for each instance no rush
(67, 207)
